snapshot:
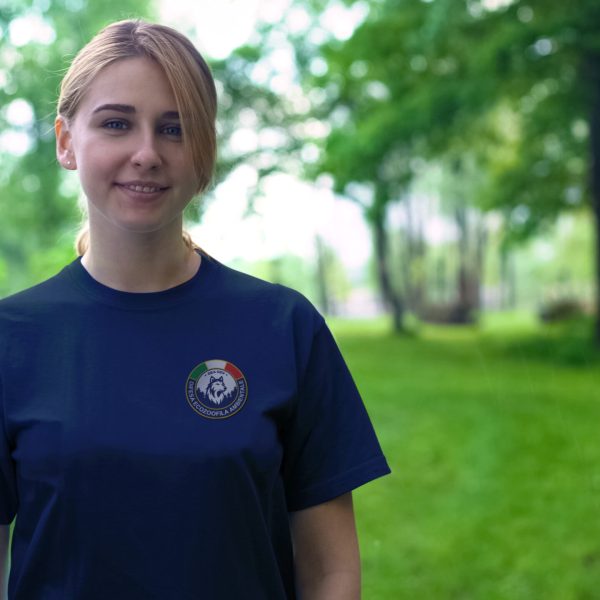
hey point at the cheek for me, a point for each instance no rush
(95, 179)
(95, 161)
(183, 172)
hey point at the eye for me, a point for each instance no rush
(115, 124)
(172, 130)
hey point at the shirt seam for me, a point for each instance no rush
(99, 299)
(316, 487)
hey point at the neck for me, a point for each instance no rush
(140, 263)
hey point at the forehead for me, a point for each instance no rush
(139, 82)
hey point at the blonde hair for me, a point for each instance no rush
(187, 72)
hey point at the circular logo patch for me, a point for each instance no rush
(216, 389)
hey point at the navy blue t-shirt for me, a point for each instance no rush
(152, 444)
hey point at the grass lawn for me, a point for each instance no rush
(495, 453)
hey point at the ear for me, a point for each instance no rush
(64, 146)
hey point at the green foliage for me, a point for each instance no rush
(250, 106)
(503, 98)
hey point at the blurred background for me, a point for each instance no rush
(427, 172)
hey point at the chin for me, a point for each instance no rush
(141, 226)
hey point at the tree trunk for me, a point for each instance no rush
(406, 254)
(594, 67)
(390, 296)
(480, 261)
(419, 277)
(508, 280)
(412, 259)
(441, 281)
(464, 271)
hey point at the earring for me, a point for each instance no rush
(68, 163)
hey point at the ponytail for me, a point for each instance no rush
(82, 241)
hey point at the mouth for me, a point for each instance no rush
(142, 188)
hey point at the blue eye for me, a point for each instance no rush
(172, 130)
(118, 125)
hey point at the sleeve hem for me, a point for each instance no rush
(332, 488)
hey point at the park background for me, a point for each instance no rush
(428, 174)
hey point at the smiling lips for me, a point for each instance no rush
(142, 187)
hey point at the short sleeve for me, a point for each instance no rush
(8, 483)
(330, 446)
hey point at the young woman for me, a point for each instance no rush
(170, 428)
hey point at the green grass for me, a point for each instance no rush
(495, 453)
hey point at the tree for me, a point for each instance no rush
(387, 111)
(416, 78)
(544, 57)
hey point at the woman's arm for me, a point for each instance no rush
(326, 554)
(4, 538)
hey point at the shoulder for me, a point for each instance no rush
(21, 313)
(36, 300)
(252, 293)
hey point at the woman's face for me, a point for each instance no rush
(126, 143)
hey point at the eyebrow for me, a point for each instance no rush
(128, 109)
(124, 108)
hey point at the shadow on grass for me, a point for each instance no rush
(517, 334)
(569, 342)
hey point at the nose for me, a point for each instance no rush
(146, 154)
